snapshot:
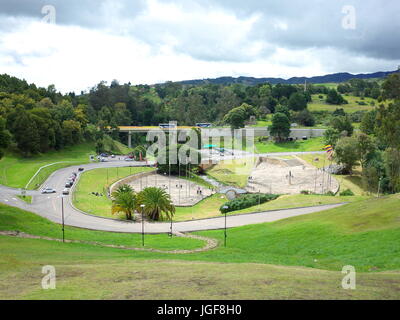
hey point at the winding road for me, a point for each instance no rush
(49, 207)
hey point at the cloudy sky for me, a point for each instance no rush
(75, 44)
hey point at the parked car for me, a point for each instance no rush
(48, 190)
(73, 178)
(128, 159)
(68, 185)
(65, 191)
(81, 169)
(113, 156)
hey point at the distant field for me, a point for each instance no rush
(318, 104)
(328, 85)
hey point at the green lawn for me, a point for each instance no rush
(207, 208)
(97, 181)
(16, 171)
(13, 219)
(365, 234)
(280, 260)
(313, 144)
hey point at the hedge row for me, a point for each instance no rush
(247, 201)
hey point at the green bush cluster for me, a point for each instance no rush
(347, 193)
(247, 201)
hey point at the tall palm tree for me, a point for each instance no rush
(157, 202)
(124, 202)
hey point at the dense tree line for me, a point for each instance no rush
(34, 120)
(376, 147)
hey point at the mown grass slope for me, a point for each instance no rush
(16, 171)
(267, 261)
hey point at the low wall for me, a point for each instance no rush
(131, 178)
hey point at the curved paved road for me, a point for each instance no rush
(49, 207)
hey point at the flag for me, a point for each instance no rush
(329, 150)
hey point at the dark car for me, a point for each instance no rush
(81, 169)
(68, 184)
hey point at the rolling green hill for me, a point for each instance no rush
(281, 260)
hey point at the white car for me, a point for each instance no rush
(128, 159)
(48, 190)
(65, 191)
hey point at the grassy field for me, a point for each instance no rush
(98, 181)
(232, 172)
(16, 171)
(296, 258)
(318, 104)
(314, 144)
(107, 274)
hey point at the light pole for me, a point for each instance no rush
(225, 236)
(142, 206)
(62, 217)
(169, 176)
(171, 227)
(379, 186)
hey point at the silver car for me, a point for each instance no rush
(48, 190)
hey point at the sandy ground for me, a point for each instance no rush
(289, 176)
(182, 192)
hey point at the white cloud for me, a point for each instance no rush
(172, 40)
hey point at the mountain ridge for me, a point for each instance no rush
(334, 77)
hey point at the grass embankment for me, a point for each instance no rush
(234, 172)
(362, 234)
(365, 234)
(14, 219)
(99, 180)
(16, 171)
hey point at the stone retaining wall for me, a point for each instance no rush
(131, 178)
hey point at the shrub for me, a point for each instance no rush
(347, 193)
(247, 201)
(306, 192)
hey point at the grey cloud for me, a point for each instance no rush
(310, 24)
